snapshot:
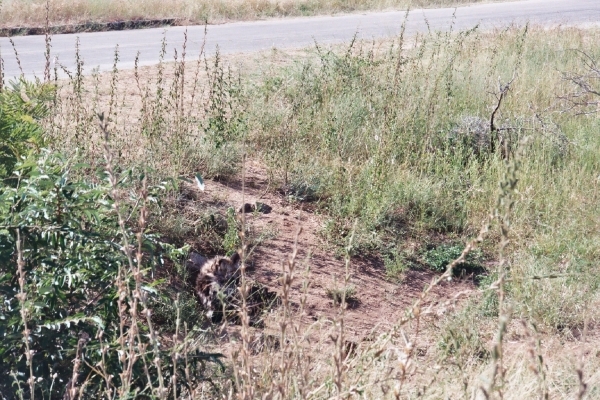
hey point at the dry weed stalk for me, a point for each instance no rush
(47, 41)
(537, 365)
(342, 352)
(502, 213)
(197, 73)
(1, 71)
(175, 354)
(495, 139)
(113, 93)
(289, 343)
(71, 392)
(134, 297)
(244, 376)
(12, 43)
(291, 356)
(585, 99)
(22, 297)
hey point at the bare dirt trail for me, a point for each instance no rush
(97, 49)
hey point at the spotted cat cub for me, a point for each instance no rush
(217, 275)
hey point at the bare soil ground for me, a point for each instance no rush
(379, 302)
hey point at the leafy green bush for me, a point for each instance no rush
(22, 105)
(438, 258)
(224, 122)
(66, 230)
(231, 240)
(65, 273)
(164, 311)
(396, 263)
(340, 294)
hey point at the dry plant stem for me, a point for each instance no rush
(400, 61)
(582, 384)
(163, 391)
(77, 93)
(340, 355)
(291, 354)
(135, 268)
(415, 311)
(185, 352)
(504, 207)
(104, 348)
(502, 91)
(288, 275)
(244, 378)
(47, 40)
(177, 95)
(537, 360)
(72, 386)
(1, 71)
(158, 108)
(175, 354)
(197, 73)
(122, 296)
(113, 90)
(304, 366)
(583, 98)
(22, 296)
(181, 72)
(17, 56)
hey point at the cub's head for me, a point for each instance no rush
(227, 266)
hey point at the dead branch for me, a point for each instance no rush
(585, 98)
(502, 92)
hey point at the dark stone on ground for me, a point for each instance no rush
(258, 207)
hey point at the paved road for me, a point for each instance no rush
(97, 49)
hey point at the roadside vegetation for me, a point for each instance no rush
(32, 13)
(473, 155)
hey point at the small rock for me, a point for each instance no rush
(247, 208)
(258, 207)
(263, 208)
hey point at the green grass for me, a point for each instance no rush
(372, 128)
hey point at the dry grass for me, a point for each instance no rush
(371, 130)
(431, 356)
(32, 13)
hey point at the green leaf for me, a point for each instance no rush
(149, 289)
(46, 290)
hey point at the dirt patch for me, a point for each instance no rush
(377, 302)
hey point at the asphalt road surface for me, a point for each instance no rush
(97, 49)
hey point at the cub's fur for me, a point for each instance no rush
(216, 282)
(216, 275)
